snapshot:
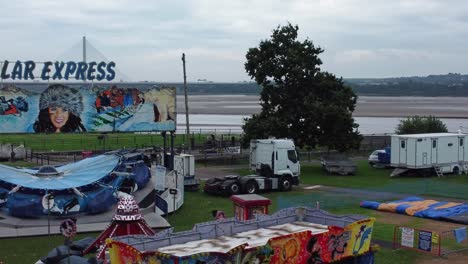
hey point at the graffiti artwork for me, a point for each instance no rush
(260, 255)
(339, 243)
(43, 108)
(290, 249)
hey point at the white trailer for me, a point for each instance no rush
(184, 164)
(443, 152)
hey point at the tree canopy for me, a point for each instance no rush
(298, 100)
(421, 124)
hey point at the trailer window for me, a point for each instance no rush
(461, 142)
(434, 143)
(292, 156)
(402, 144)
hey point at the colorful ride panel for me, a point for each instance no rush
(292, 235)
(419, 207)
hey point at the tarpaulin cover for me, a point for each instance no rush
(419, 207)
(85, 186)
(76, 174)
(24, 205)
(142, 174)
(460, 218)
(100, 201)
(3, 197)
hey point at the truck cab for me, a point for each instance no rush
(276, 164)
(275, 158)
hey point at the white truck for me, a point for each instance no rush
(439, 152)
(276, 164)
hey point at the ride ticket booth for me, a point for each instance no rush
(247, 205)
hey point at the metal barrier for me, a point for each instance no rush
(417, 239)
(430, 242)
(451, 242)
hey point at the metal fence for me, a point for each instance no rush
(452, 242)
(430, 241)
(202, 139)
(416, 239)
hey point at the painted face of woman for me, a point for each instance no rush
(58, 117)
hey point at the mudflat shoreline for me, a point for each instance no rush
(367, 106)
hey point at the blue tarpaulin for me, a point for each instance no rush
(460, 234)
(76, 174)
(84, 186)
(419, 207)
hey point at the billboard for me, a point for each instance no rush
(84, 107)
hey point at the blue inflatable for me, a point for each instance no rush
(424, 208)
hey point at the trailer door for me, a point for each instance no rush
(461, 149)
(434, 151)
(403, 147)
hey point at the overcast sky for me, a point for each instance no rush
(361, 38)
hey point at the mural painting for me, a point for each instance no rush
(259, 255)
(339, 243)
(54, 108)
(122, 253)
(290, 249)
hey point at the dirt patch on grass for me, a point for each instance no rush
(455, 258)
(429, 225)
(421, 223)
(439, 226)
(392, 218)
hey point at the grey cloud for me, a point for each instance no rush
(361, 38)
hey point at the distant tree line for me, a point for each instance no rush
(410, 88)
(452, 84)
(249, 88)
(433, 85)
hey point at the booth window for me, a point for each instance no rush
(402, 144)
(461, 142)
(450, 144)
(434, 143)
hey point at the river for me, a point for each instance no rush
(375, 115)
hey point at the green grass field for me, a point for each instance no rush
(198, 207)
(97, 141)
(378, 179)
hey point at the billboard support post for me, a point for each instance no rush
(172, 150)
(187, 131)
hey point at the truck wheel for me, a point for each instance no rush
(234, 188)
(456, 170)
(285, 183)
(251, 187)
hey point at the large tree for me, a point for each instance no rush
(421, 124)
(298, 100)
